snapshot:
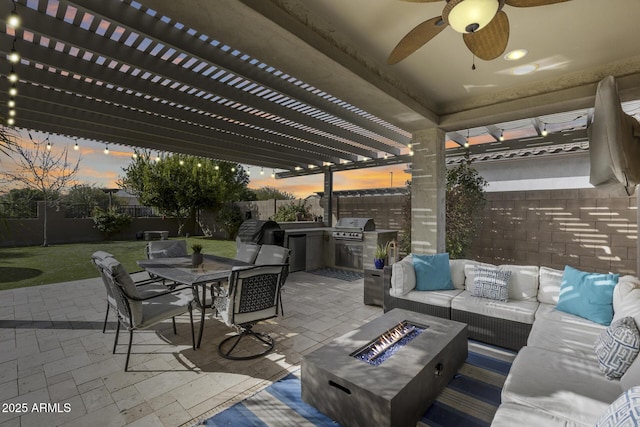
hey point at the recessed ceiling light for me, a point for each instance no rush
(525, 69)
(516, 54)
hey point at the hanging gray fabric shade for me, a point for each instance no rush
(614, 142)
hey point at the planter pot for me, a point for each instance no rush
(379, 263)
(196, 259)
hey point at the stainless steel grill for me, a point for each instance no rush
(352, 228)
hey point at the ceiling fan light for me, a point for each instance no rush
(516, 54)
(468, 16)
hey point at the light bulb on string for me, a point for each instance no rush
(106, 149)
(11, 121)
(501, 138)
(14, 20)
(273, 173)
(181, 162)
(216, 167)
(261, 171)
(11, 103)
(233, 169)
(14, 56)
(157, 156)
(134, 155)
(199, 165)
(12, 76)
(544, 131)
(13, 91)
(76, 147)
(12, 113)
(48, 146)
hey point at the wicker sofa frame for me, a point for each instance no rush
(491, 330)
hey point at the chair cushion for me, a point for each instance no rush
(513, 414)
(624, 411)
(164, 307)
(101, 255)
(272, 254)
(247, 251)
(167, 249)
(457, 271)
(491, 283)
(588, 295)
(122, 278)
(437, 298)
(432, 272)
(571, 338)
(617, 347)
(403, 277)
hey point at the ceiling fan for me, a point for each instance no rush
(483, 24)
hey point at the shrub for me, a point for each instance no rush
(110, 221)
(293, 212)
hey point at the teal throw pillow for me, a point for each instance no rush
(588, 295)
(432, 272)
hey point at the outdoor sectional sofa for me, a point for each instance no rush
(556, 378)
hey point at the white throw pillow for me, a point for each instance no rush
(523, 284)
(624, 411)
(470, 275)
(403, 277)
(617, 347)
(625, 285)
(549, 289)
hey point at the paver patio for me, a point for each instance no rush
(53, 351)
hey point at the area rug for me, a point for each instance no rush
(336, 273)
(469, 400)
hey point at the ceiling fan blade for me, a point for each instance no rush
(491, 41)
(532, 3)
(416, 38)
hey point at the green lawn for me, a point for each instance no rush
(37, 265)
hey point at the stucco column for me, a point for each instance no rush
(328, 194)
(428, 192)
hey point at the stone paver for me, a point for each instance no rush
(53, 352)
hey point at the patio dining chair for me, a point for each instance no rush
(138, 310)
(253, 296)
(272, 254)
(166, 249)
(246, 251)
(146, 286)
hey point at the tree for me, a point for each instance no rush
(465, 201)
(20, 202)
(85, 194)
(293, 212)
(269, 193)
(44, 169)
(180, 185)
(110, 221)
(7, 140)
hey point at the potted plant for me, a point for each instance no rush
(379, 256)
(196, 257)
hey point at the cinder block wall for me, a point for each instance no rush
(587, 229)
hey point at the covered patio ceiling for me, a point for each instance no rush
(291, 85)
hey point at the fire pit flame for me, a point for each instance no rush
(383, 344)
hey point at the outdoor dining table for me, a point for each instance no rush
(213, 270)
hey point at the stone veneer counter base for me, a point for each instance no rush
(397, 392)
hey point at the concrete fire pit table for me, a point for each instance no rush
(397, 391)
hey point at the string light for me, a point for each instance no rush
(11, 121)
(501, 138)
(216, 167)
(13, 90)
(181, 162)
(106, 149)
(233, 169)
(273, 173)
(14, 56)
(48, 146)
(544, 131)
(158, 156)
(11, 103)
(199, 165)
(12, 113)
(14, 20)
(261, 171)
(134, 155)
(12, 76)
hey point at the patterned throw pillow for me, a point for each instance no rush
(491, 283)
(617, 347)
(624, 411)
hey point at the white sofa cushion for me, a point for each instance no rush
(438, 298)
(518, 311)
(617, 347)
(457, 271)
(549, 289)
(574, 339)
(523, 285)
(403, 277)
(626, 298)
(548, 311)
(512, 414)
(564, 387)
(624, 411)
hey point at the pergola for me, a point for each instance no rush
(270, 83)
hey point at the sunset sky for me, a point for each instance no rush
(103, 170)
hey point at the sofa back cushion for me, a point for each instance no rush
(549, 289)
(523, 285)
(403, 277)
(457, 271)
(432, 272)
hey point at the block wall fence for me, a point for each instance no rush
(586, 228)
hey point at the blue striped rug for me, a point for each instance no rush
(469, 400)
